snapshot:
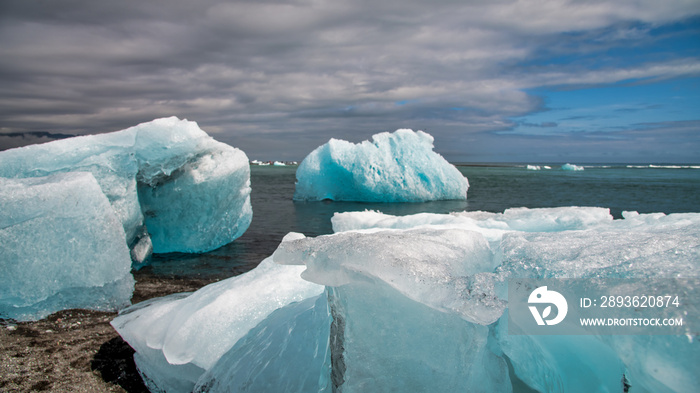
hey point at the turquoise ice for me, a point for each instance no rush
(393, 167)
(179, 338)
(419, 303)
(61, 246)
(76, 214)
(172, 186)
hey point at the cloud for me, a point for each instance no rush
(18, 139)
(303, 71)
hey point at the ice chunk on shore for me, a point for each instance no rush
(560, 242)
(190, 191)
(178, 338)
(288, 352)
(562, 363)
(429, 266)
(409, 308)
(639, 246)
(393, 167)
(62, 247)
(417, 303)
(385, 342)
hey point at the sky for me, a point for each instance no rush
(533, 81)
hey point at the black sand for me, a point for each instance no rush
(78, 350)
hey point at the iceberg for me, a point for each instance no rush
(571, 167)
(62, 247)
(419, 303)
(172, 186)
(393, 167)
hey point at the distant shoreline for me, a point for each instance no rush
(586, 165)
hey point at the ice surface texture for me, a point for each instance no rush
(418, 303)
(62, 247)
(393, 167)
(190, 191)
(177, 338)
(75, 213)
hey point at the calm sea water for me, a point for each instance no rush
(493, 188)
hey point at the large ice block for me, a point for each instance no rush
(417, 303)
(393, 167)
(439, 268)
(539, 243)
(384, 341)
(166, 178)
(61, 246)
(177, 338)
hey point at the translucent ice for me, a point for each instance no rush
(417, 303)
(562, 363)
(410, 308)
(558, 242)
(386, 342)
(62, 247)
(177, 338)
(516, 219)
(190, 191)
(393, 167)
(288, 352)
(430, 266)
(639, 246)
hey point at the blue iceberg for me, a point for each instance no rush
(393, 167)
(78, 213)
(62, 247)
(172, 186)
(419, 303)
(571, 167)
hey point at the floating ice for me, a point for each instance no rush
(571, 167)
(190, 191)
(533, 167)
(394, 167)
(417, 303)
(491, 225)
(62, 247)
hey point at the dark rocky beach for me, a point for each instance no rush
(78, 350)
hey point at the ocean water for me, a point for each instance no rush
(493, 188)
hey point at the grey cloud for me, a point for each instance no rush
(18, 139)
(297, 72)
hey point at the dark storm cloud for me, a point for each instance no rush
(278, 78)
